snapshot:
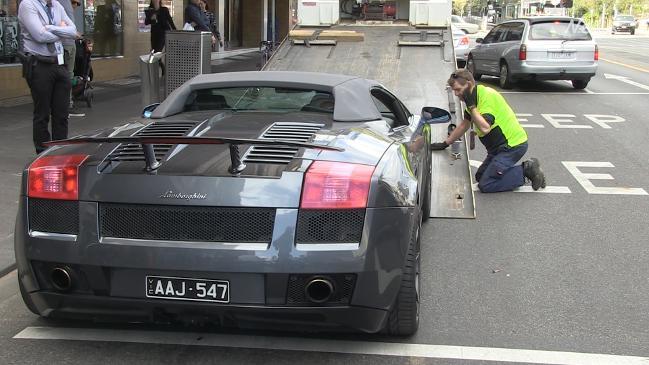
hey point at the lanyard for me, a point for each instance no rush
(48, 11)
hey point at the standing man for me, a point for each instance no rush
(70, 48)
(499, 131)
(44, 25)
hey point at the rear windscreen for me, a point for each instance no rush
(560, 30)
(625, 18)
(260, 99)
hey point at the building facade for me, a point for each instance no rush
(119, 35)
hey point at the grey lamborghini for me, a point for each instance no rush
(277, 198)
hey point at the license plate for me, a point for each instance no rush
(562, 55)
(202, 290)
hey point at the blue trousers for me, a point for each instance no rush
(499, 171)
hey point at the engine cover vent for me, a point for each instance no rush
(295, 132)
(133, 151)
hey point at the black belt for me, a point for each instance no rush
(43, 59)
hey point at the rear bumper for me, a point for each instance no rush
(623, 29)
(109, 277)
(554, 72)
(99, 308)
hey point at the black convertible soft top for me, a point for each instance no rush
(353, 102)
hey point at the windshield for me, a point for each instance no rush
(561, 30)
(260, 99)
(626, 18)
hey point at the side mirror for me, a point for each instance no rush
(432, 115)
(479, 40)
(148, 110)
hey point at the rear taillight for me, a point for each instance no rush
(522, 52)
(596, 55)
(464, 41)
(336, 185)
(55, 177)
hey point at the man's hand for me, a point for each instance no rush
(438, 146)
(470, 97)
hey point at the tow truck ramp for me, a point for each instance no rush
(412, 62)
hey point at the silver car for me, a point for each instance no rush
(539, 48)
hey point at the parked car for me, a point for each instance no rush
(282, 198)
(539, 48)
(624, 23)
(468, 28)
(461, 44)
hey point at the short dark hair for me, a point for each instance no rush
(461, 76)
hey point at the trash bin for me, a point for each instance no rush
(187, 54)
(150, 76)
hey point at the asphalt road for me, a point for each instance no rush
(563, 272)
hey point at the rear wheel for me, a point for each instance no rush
(470, 65)
(580, 84)
(505, 80)
(403, 319)
(632, 31)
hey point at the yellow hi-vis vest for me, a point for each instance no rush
(505, 130)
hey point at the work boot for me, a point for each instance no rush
(532, 171)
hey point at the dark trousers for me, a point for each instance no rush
(50, 86)
(499, 171)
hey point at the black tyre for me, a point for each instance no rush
(632, 31)
(403, 319)
(89, 97)
(470, 65)
(28, 302)
(505, 80)
(580, 84)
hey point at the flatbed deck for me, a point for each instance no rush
(412, 62)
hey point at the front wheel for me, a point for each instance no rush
(633, 32)
(403, 319)
(470, 65)
(580, 84)
(505, 80)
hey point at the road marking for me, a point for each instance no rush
(584, 179)
(557, 121)
(328, 346)
(602, 120)
(522, 117)
(626, 80)
(625, 65)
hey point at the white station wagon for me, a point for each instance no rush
(539, 48)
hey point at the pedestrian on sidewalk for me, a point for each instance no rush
(196, 16)
(161, 21)
(500, 132)
(70, 47)
(44, 25)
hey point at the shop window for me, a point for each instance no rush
(102, 21)
(9, 31)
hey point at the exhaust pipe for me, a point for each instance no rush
(61, 278)
(319, 290)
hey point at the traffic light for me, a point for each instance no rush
(566, 3)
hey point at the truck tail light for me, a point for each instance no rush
(464, 41)
(522, 53)
(336, 185)
(55, 177)
(596, 55)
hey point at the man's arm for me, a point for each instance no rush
(66, 29)
(458, 132)
(30, 20)
(480, 122)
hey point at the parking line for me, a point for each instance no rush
(327, 346)
(625, 65)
